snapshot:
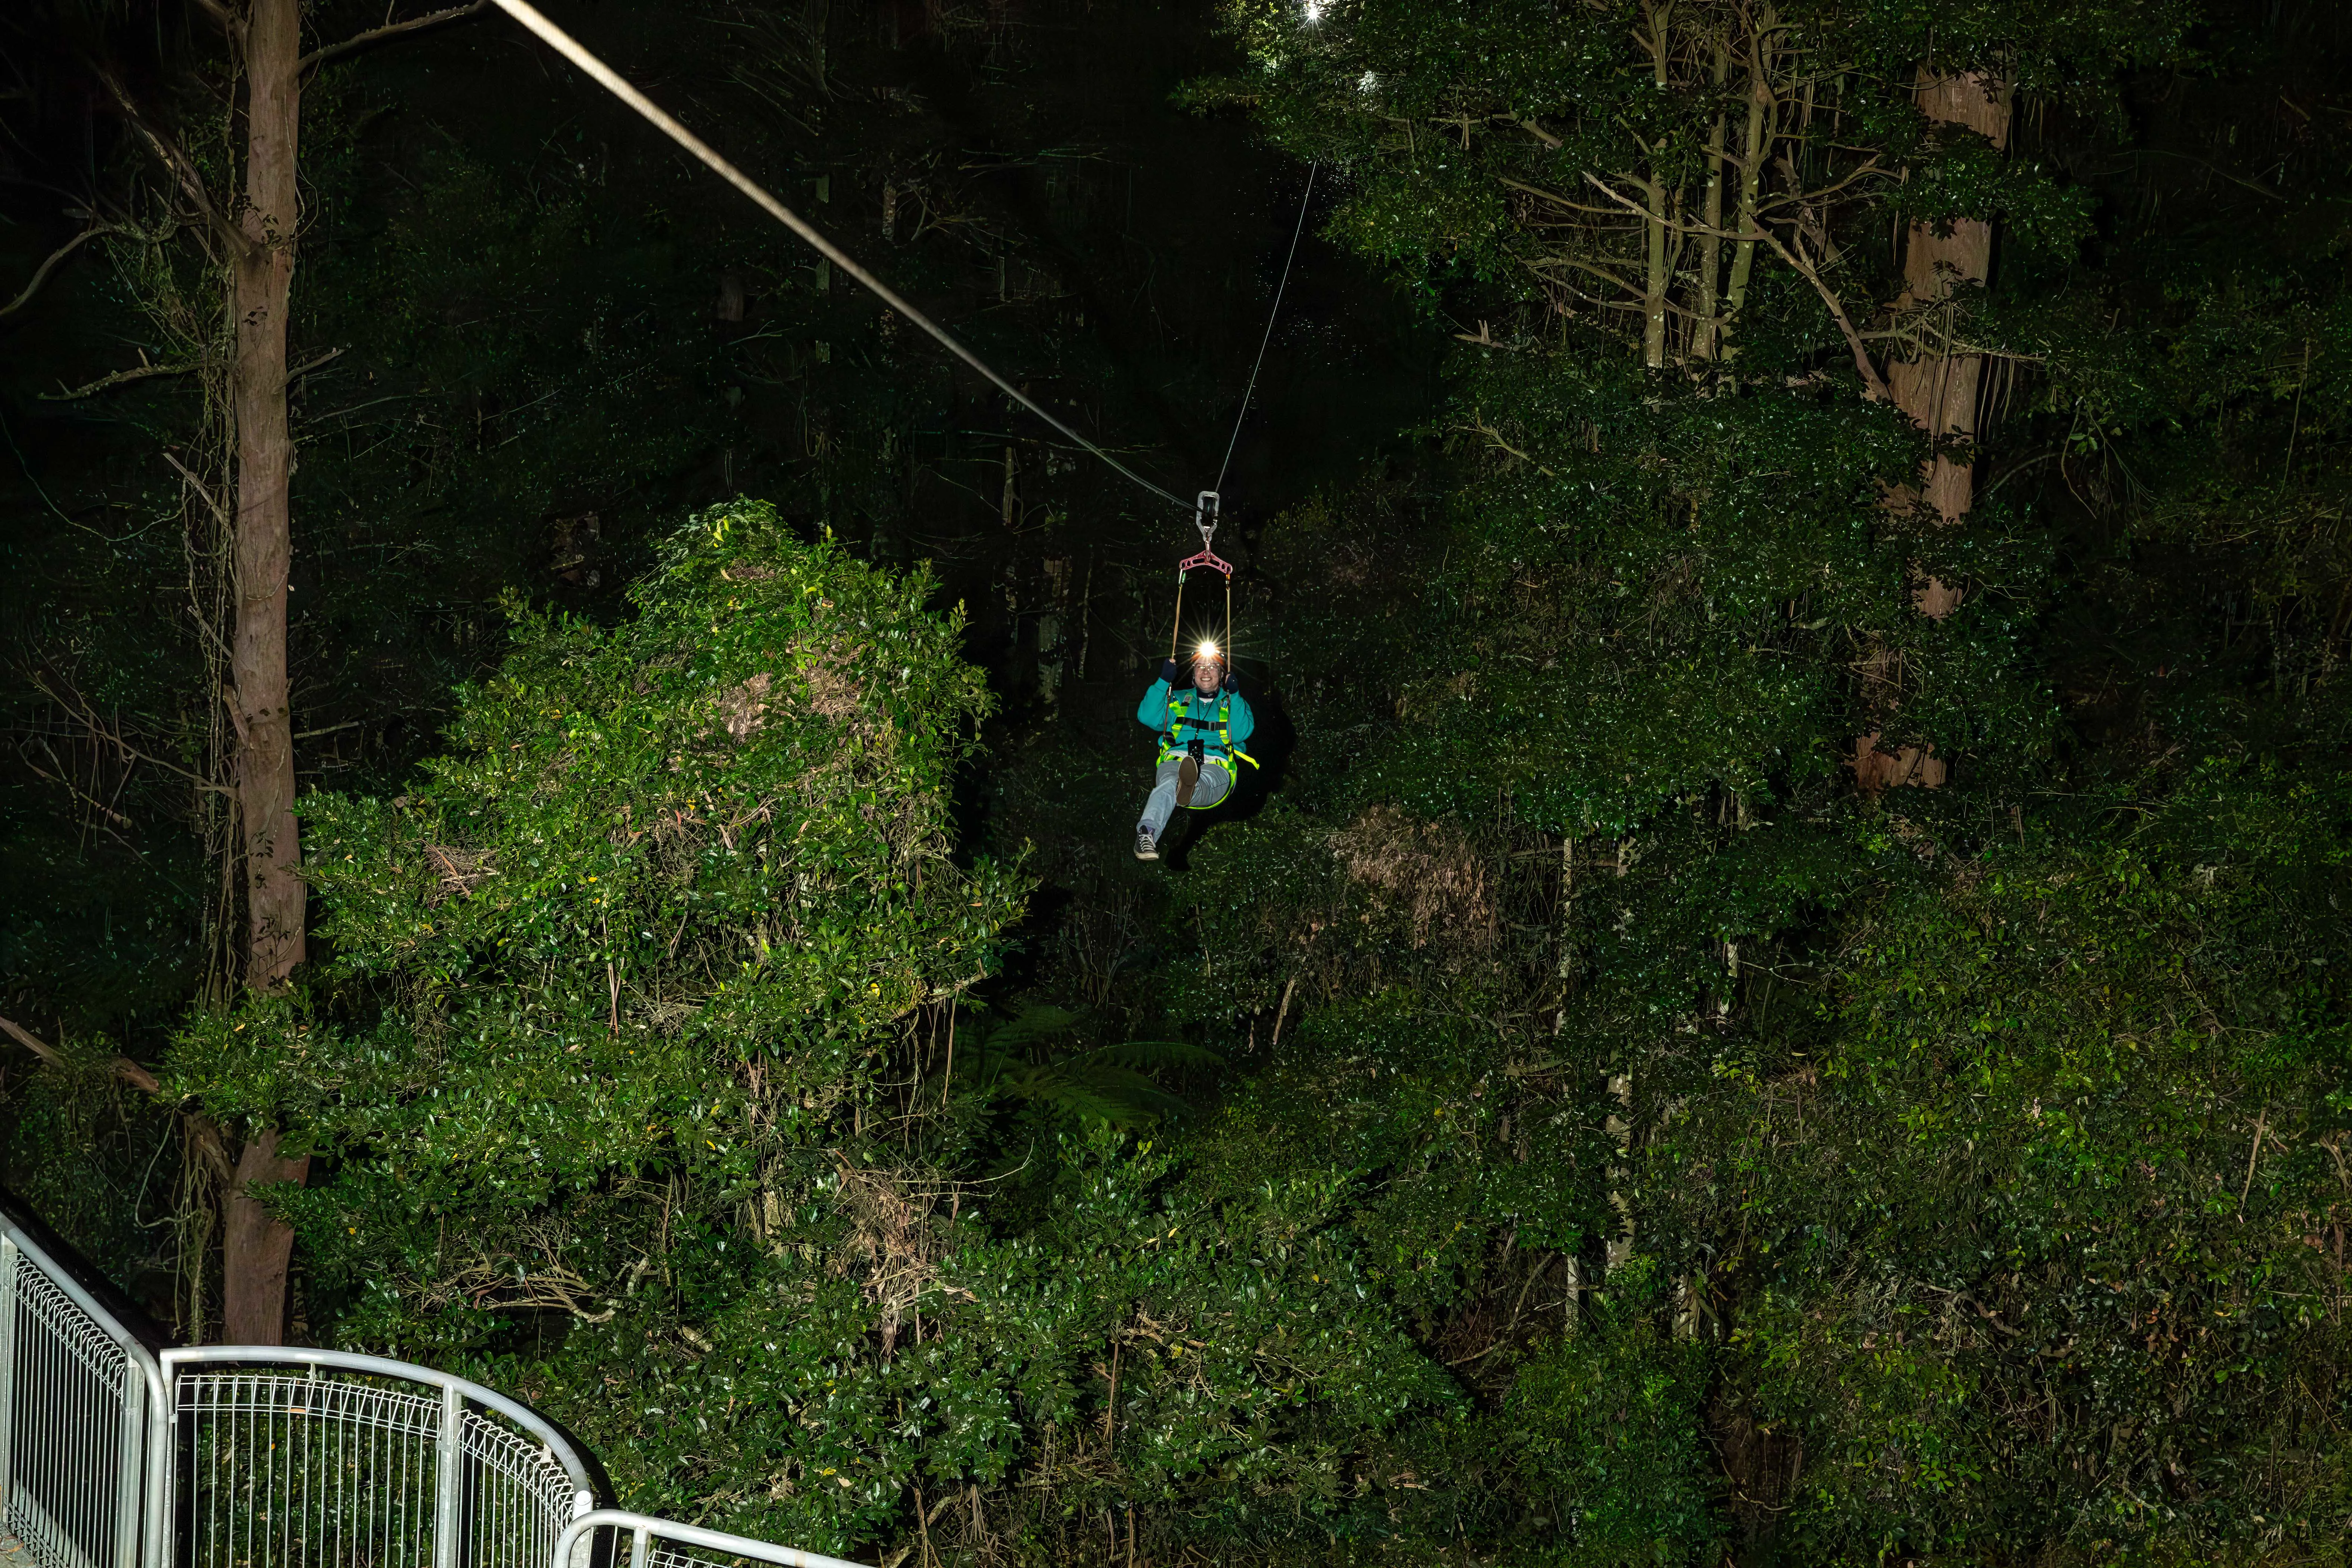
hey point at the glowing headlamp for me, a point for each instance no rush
(1208, 650)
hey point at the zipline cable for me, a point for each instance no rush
(1270, 317)
(570, 49)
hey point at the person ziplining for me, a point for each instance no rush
(1200, 715)
(1201, 729)
(1202, 725)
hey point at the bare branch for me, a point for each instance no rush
(140, 374)
(2259, 189)
(1875, 385)
(179, 165)
(1543, 263)
(126, 1069)
(230, 23)
(377, 35)
(309, 365)
(41, 274)
(1554, 197)
(128, 752)
(212, 503)
(1825, 192)
(1495, 439)
(81, 795)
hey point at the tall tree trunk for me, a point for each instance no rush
(1710, 247)
(255, 1247)
(1653, 192)
(1939, 391)
(1756, 150)
(1654, 295)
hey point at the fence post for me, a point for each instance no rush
(584, 1547)
(162, 1458)
(448, 1484)
(10, 1258)
(132, 1442)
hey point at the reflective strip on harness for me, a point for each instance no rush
(1180, 716)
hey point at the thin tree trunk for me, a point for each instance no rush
(1756, 150)
(1653, 220)
(1710, 248)
(1653, 296)
(255, 1247)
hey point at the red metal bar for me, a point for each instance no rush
(1206, 559)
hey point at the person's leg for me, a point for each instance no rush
(1216, 783)
(1157, 810)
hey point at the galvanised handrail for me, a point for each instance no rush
(645, 1531)
(67, 1357)
(283, 1463)
(116, 1455)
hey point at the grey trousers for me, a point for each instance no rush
(1216, 779)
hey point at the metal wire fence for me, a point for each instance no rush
(71, 1427)
(333, 1460)
(113, 1454)
(288, 1472)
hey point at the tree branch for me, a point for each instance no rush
(129, 752)
(126, 1069)
(41, 274)
(1554, 197)
(141, 373)
(230, 23)
(377, 35)
(1495, 439)
(176, 162)
(1875, 385)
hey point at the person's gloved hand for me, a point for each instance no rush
(1233, 682)
(1168, 672)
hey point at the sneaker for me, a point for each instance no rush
(1145, 849)
(1188, 774)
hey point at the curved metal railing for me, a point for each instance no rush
(115, 1453)
(665, 1544)
(300, 1458)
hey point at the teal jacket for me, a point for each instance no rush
(1179, 722)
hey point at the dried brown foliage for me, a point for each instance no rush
(1429, 869)
(459, 871)
(827, 667)
(744, 708)
(896, 1239)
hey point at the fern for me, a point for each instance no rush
(1025, 1059)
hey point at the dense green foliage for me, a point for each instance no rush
(1553, 1116)
(1980, 1185)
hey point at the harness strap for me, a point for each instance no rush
(1180, 716)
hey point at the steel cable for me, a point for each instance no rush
(570, 49)
(1271, 316)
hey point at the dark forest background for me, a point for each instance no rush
(1767, 1004)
